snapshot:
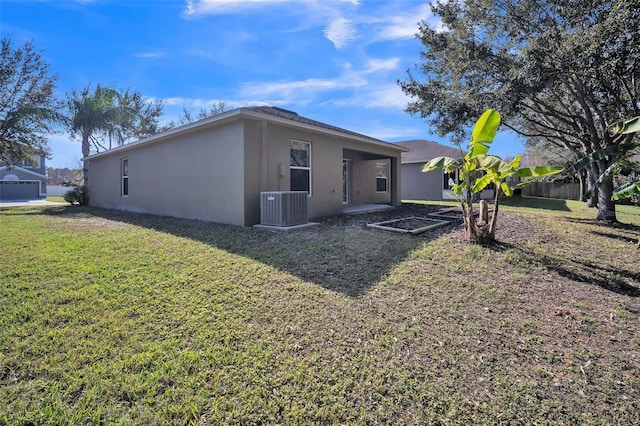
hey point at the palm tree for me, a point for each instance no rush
(90, 113)
(106, 114)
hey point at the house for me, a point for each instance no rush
(433, 185)
(23, 180)
(215, 169)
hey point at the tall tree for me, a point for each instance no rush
(135, 118)
(187, 116)
(28, 109)
(104, 115)
(560, 71)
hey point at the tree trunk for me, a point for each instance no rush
(85, 153)
(470, 228)
(606, 206)
(582, 178)
(592, 177)
(494, 214)
(483, 217)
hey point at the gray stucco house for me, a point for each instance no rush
(215, 169)
(23, 181)
(433, 185)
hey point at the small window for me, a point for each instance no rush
(448, 178)
(125, 177)
(382, 177)
(300, 166)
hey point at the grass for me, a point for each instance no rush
(109, 317)
(56, 199)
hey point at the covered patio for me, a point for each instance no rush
(365, 208)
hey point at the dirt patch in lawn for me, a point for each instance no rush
(82, 221)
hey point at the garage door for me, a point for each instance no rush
(19, 190)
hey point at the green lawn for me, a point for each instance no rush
(116, 318)
(56, 199)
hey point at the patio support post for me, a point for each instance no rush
(396, 197)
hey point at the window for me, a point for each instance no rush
(125, 177)
(448, 178)
(300, 166)
(382, 177)
(29, 164)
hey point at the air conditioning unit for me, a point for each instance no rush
(283, 208)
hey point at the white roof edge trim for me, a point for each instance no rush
(31, 172)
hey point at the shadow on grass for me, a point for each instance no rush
(607, 229)
(617, 225)
(618, 237)
(341, 254)
(617, 280)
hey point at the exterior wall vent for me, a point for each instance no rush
(283, 208)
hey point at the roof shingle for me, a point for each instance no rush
(421, 151)
(291, 115)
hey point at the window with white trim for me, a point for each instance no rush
(300, 166)
(449, 178)
(125, 177)
(382, 177)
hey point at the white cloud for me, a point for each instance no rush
(197, 103)
(174, 101)
(403, 25)
(368, 87)
(308, 88)
(311, 84)
(389, 132)
(216, 7)
(150, 55)
(375, 65)
(388, 96)
(376, 96)
(340, 31)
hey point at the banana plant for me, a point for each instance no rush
(498, 172)
(479, 169)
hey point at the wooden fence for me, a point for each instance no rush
(561, 190)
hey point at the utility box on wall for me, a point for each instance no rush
(283, 208)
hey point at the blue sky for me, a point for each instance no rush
(335, 61)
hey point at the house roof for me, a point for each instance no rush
(23, 170)
(273, 114)
(293, 116)
(421, 151)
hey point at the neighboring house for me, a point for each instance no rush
(214, 169)
(23, 181)
(433, 185)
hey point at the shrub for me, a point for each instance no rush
(78, 195)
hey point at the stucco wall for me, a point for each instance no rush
(327, 153)
(417, 185)
(326, 165)
(198, 175)
(217, 174)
